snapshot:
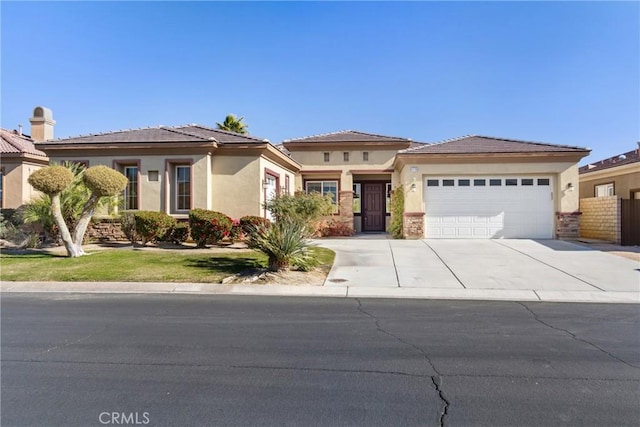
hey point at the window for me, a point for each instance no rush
(326, 157)
(479, 182)
(357, 192)
(388, 192)
(447, 182)
(183, 188)
(432, 183)
(324, 188)
(604, 190)
(543, 181)
(527, 181)
(131, 190)
(345, 156)
(495, 182)
(510, 182)
(365, 156)
(463, 182)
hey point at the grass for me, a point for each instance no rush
(117, 265)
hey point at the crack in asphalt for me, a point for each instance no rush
(303, 369)
(79, 340)
(575, 337)
(435, 379)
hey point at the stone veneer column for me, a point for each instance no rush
(345, 205)
(413, 225)
(568, 225)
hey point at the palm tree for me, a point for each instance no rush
(232, 124)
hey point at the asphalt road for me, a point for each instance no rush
(169, 360)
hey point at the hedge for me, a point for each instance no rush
(208, 226)
(150, 225)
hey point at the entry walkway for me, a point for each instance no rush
(482, 269)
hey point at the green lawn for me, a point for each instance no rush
(137, 266)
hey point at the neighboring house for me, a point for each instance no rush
(616, 176)
(20, 158)
(175, 169)
(610, 199)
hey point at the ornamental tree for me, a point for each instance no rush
(100, 180)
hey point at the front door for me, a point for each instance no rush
(373, 207)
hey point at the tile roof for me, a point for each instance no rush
(627, 158)
(184, 133)
(477, 144)
(13, 143)
(348, 136)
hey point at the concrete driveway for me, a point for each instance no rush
(506, 264)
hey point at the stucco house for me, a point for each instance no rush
(468, 187)
(616, 176)
(20, 158)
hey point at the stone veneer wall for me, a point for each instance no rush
(105, 229)
(346, 208)
(568, 225)
(601, 218)
(413, 225)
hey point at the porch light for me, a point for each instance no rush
(570, 187)
(265, 184)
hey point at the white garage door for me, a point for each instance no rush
(488, 207)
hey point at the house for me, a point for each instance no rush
(468, 187)
(616, 176)
(177, 168)
(20, 158)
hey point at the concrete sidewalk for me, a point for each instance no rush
(507, 270)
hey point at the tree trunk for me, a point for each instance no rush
(276, 264)
(82, 224)
(72, 249)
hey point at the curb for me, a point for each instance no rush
(321, 291)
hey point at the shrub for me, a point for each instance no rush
(285, 243)
(177, 234)
(128, 225)
(300, 208)
(51, 179)
(334, 228)
(236, 233)
(249, 222)
(397, 213)
(104, 181)
(151, 225)
(208, 226)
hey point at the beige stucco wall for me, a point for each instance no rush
(153, 193)
(236, 185)
(280, 172)
(314, 161)
(561, 173)
(624, 180)
(16, 190)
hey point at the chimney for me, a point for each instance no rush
(42, 124)
(20, 130)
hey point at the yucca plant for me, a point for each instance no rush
(285, 243)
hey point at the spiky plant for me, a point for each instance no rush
(285, 243)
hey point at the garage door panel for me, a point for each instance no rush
(488, 211)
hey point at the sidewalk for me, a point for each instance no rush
(321, 291)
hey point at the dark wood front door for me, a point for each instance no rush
(373, 207)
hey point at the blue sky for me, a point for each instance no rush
(565, 73)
